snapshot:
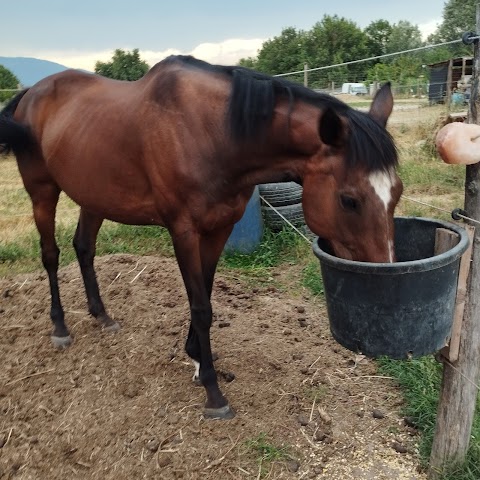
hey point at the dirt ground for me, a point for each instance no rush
(123, 406)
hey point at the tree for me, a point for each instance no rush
(378, 33)
(402, 69)
(330, 41)
(249, 62)
(459, 16)
(124, 66)
(8, 81)
(404, 36)
(281, 54)
(335, 40)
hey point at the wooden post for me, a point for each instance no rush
(305, 74)
(458, 396)
(453, 349)
(449, 83)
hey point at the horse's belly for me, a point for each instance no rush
(112, 201)
(138, 212)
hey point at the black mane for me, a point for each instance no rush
(252, 104)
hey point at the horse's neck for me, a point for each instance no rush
(269, 165)
(289, 143)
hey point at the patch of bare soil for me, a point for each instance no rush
(123, 406)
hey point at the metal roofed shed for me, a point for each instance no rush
(448, 77)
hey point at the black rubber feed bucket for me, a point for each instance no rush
(402, 309)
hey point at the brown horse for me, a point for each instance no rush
(184, 147)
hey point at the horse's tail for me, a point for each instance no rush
(14, 136)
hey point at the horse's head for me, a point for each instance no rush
(350, 187)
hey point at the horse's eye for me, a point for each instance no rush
(349, 203)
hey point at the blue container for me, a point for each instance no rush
(458, 98)
(247, 232)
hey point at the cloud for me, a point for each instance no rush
(228, 52)
(74, 59)
(430, 27)
(70, 58)
(152, 57)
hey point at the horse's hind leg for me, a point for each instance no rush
(44, 202)
(84, 244)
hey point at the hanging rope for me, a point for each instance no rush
(378, 57)
(459, 372)
(285, 220)
(455, 213)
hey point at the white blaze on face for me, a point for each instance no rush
(382, 184)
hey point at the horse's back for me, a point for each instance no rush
(174, 88)
(118, 148)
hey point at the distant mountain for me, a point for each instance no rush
(30, 70)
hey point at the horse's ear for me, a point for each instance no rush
(382, 104)
(331, 128)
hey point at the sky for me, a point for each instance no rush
(77, 34)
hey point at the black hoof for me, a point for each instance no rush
(222, 413)
(112, 327)
(61, 342)
(106, 322)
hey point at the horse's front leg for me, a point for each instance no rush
(197, 257)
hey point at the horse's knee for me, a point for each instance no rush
(84, 252)
(50, 257)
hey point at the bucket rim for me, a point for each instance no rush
(412, 266)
